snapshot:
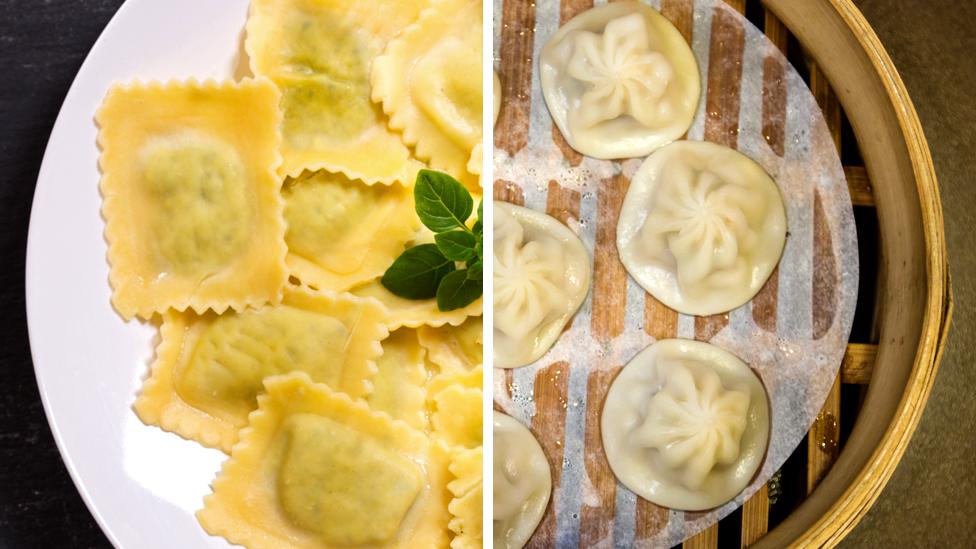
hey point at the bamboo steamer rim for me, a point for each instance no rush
(841, 500)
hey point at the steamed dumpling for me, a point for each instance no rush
(701, 228)
(620, 81)
(685, 425)
(541, 274)
(522, 483)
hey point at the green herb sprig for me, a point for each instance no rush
(432, 270)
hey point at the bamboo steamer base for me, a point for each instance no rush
(849, 72)
(914, 304)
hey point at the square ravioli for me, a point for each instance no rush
(315, 469)
(209, 369)
(429, 82)
(193, 215)
(341, 232)
(319, 53)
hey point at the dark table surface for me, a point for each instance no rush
(931, 499)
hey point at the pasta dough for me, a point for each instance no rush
(685, 425)
(209, 369)
(467, 489)
(429, 82)
(342, 233)
(400, 378)
(319, 53)
(619, 81)
(317, 470)
(541, 275)
(454, 348)
(411, 312)
(193, 216)
(522, 483)
(701, 228)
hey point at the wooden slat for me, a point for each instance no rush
(551, 388)
(755, 517)
(862, 193)
(706, 539)
(517, 37)
(824, 438)
(609, 275)
(507, 191)
(596, 521)
(858, 363)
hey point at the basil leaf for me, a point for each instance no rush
(477, 229)
(417, 273)
(457, 291)
(480, 218)
(442, 203)
(456, 245)
(475, 270)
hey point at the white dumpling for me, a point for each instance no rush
(496, 96)
(522, 483)
(541, 274)
(620, 81)
(701, 228)
(685, 425)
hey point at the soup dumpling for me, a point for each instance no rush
(522, 483)
(620, 81)
(686, 425)
(701, 228)
(541, 274)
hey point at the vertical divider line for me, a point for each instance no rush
(487, 179)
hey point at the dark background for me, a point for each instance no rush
(931, 498)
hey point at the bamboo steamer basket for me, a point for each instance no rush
(913, 307)
(889, 371)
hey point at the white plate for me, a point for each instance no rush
(141, 484)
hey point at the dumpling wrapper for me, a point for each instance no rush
(686, 425)
(541, 275)
(701, 228)
(620, 81)
(522, 483)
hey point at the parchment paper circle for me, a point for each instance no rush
(793, 333)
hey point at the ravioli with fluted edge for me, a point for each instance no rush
(193, 217)
(398, 386)
(541, 275)
(319, 52)
(702, 227)
(429, 82)
(342, 233)
(414, 313)
(454, 348)
(685, 425)
(522, 483)
(208, 369)
(619, 81)
(316, 469)
(465, 508)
